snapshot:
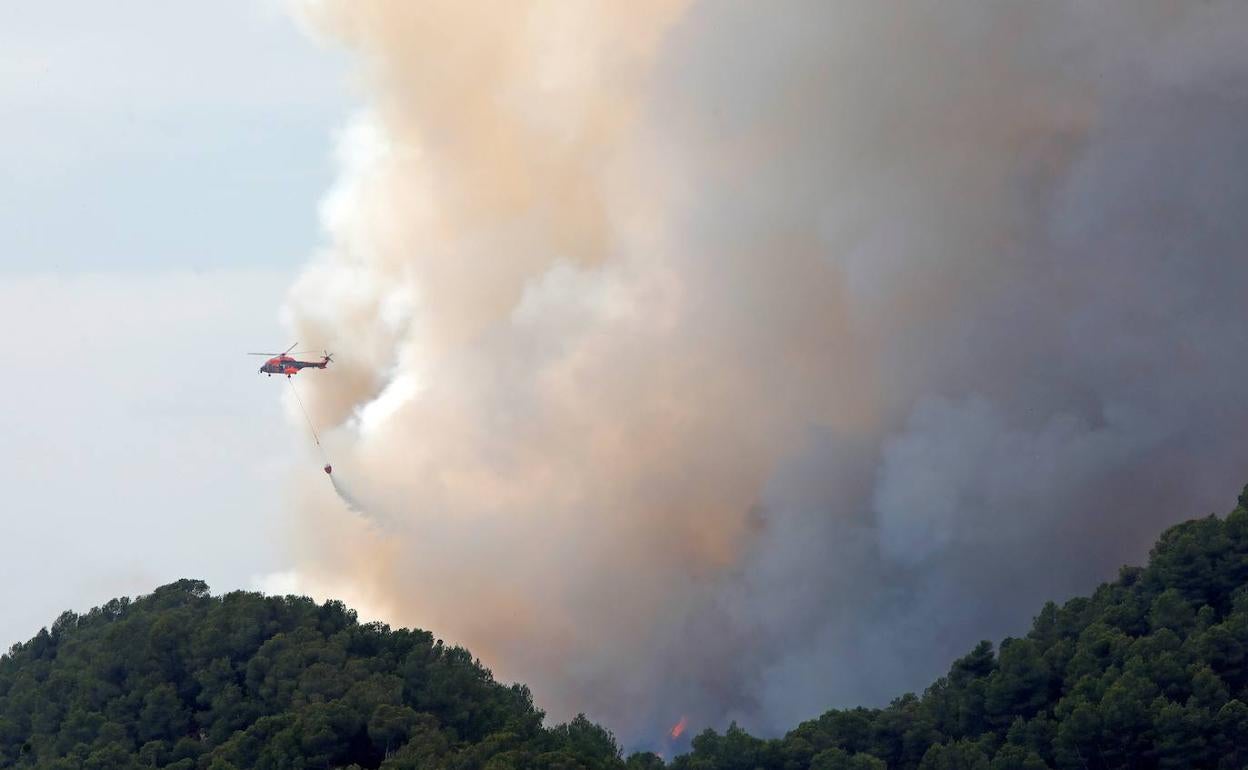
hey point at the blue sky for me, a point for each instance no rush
(160, 168)
(141, 135)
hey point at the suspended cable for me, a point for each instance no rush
(299, 401)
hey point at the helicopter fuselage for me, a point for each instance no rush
(288, 366)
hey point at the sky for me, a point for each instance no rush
(694, 360)
(160, 170)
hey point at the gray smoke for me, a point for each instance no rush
(741, 360)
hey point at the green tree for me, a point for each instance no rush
(1170, 610)
(836, 759)
(1012, 757)
(390, 726)
(1180, 741)
(1019, 686)
(163, 716)
(644, 760)
(962, 755)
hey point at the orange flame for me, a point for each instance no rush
(679, 727)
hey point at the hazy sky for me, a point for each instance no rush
(160, 168)
(724, 363)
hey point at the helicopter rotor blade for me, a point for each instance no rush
(292, 347)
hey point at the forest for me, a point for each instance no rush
(1147, 672)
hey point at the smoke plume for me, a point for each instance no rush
(735, 360)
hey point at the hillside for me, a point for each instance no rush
(181, 679)
(1148, 672)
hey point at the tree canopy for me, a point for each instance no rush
(182, 679)
(1148, 672)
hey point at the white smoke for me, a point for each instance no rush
(739, 360)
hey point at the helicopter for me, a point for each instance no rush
(284, 363)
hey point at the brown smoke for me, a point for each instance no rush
(688, 352)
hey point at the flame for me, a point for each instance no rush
(679, 727)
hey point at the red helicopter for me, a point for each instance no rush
(283, 363)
